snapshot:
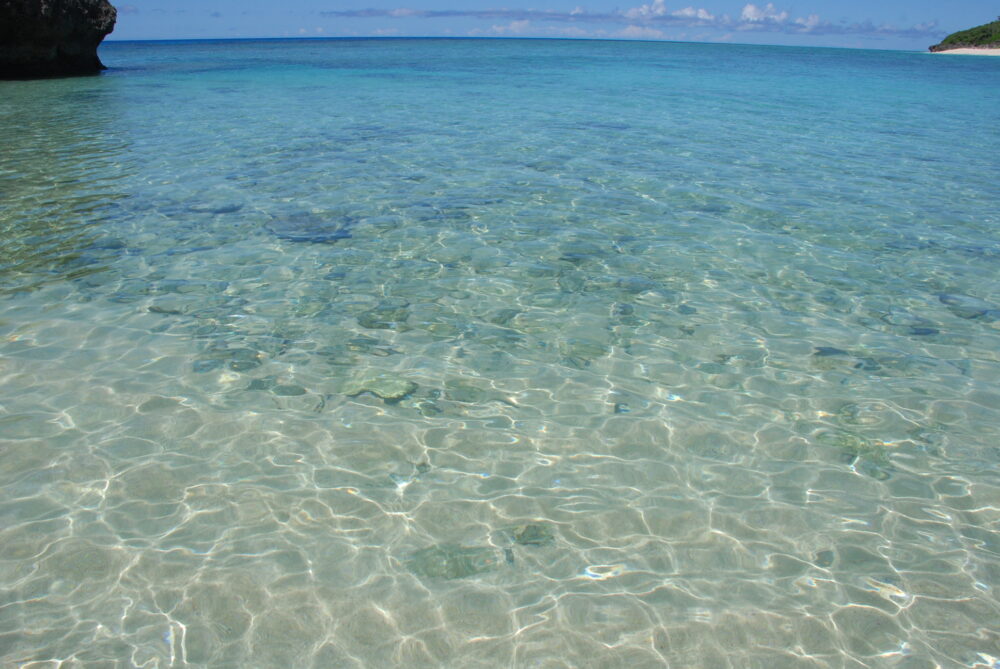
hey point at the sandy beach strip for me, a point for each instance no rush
(972, 51)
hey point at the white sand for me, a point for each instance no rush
(972, 52)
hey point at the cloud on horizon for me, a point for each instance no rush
(645, 21)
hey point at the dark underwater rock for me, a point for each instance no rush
(52, 38)
(390, 313)
(312, 228)
(387, 387)
(971, 308)
(532, 534)
(829, 351)
(451, 561)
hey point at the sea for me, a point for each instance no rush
(475, 353)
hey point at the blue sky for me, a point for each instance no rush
(886, 24)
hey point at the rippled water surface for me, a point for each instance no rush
(415, 353)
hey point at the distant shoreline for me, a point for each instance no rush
(971, 51)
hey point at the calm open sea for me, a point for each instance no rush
(501, 353)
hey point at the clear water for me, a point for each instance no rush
(417, 353)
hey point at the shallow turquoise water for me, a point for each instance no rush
(418, 353)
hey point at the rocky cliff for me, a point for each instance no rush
(49, 38)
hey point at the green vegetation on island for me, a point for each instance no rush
(984, 37)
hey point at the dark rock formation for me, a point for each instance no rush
(51, 38)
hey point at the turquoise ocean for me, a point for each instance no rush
(501, 353)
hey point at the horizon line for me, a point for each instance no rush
(319, 38)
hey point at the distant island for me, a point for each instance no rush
(986, 36)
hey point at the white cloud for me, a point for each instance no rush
(640, 32)
(512, 28)
(397, 13)
(577, 11)
(656, 8)
(755, 14)
(692, 13)
(810, 22)
(752, 17)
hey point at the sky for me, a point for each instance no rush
(882, 24)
